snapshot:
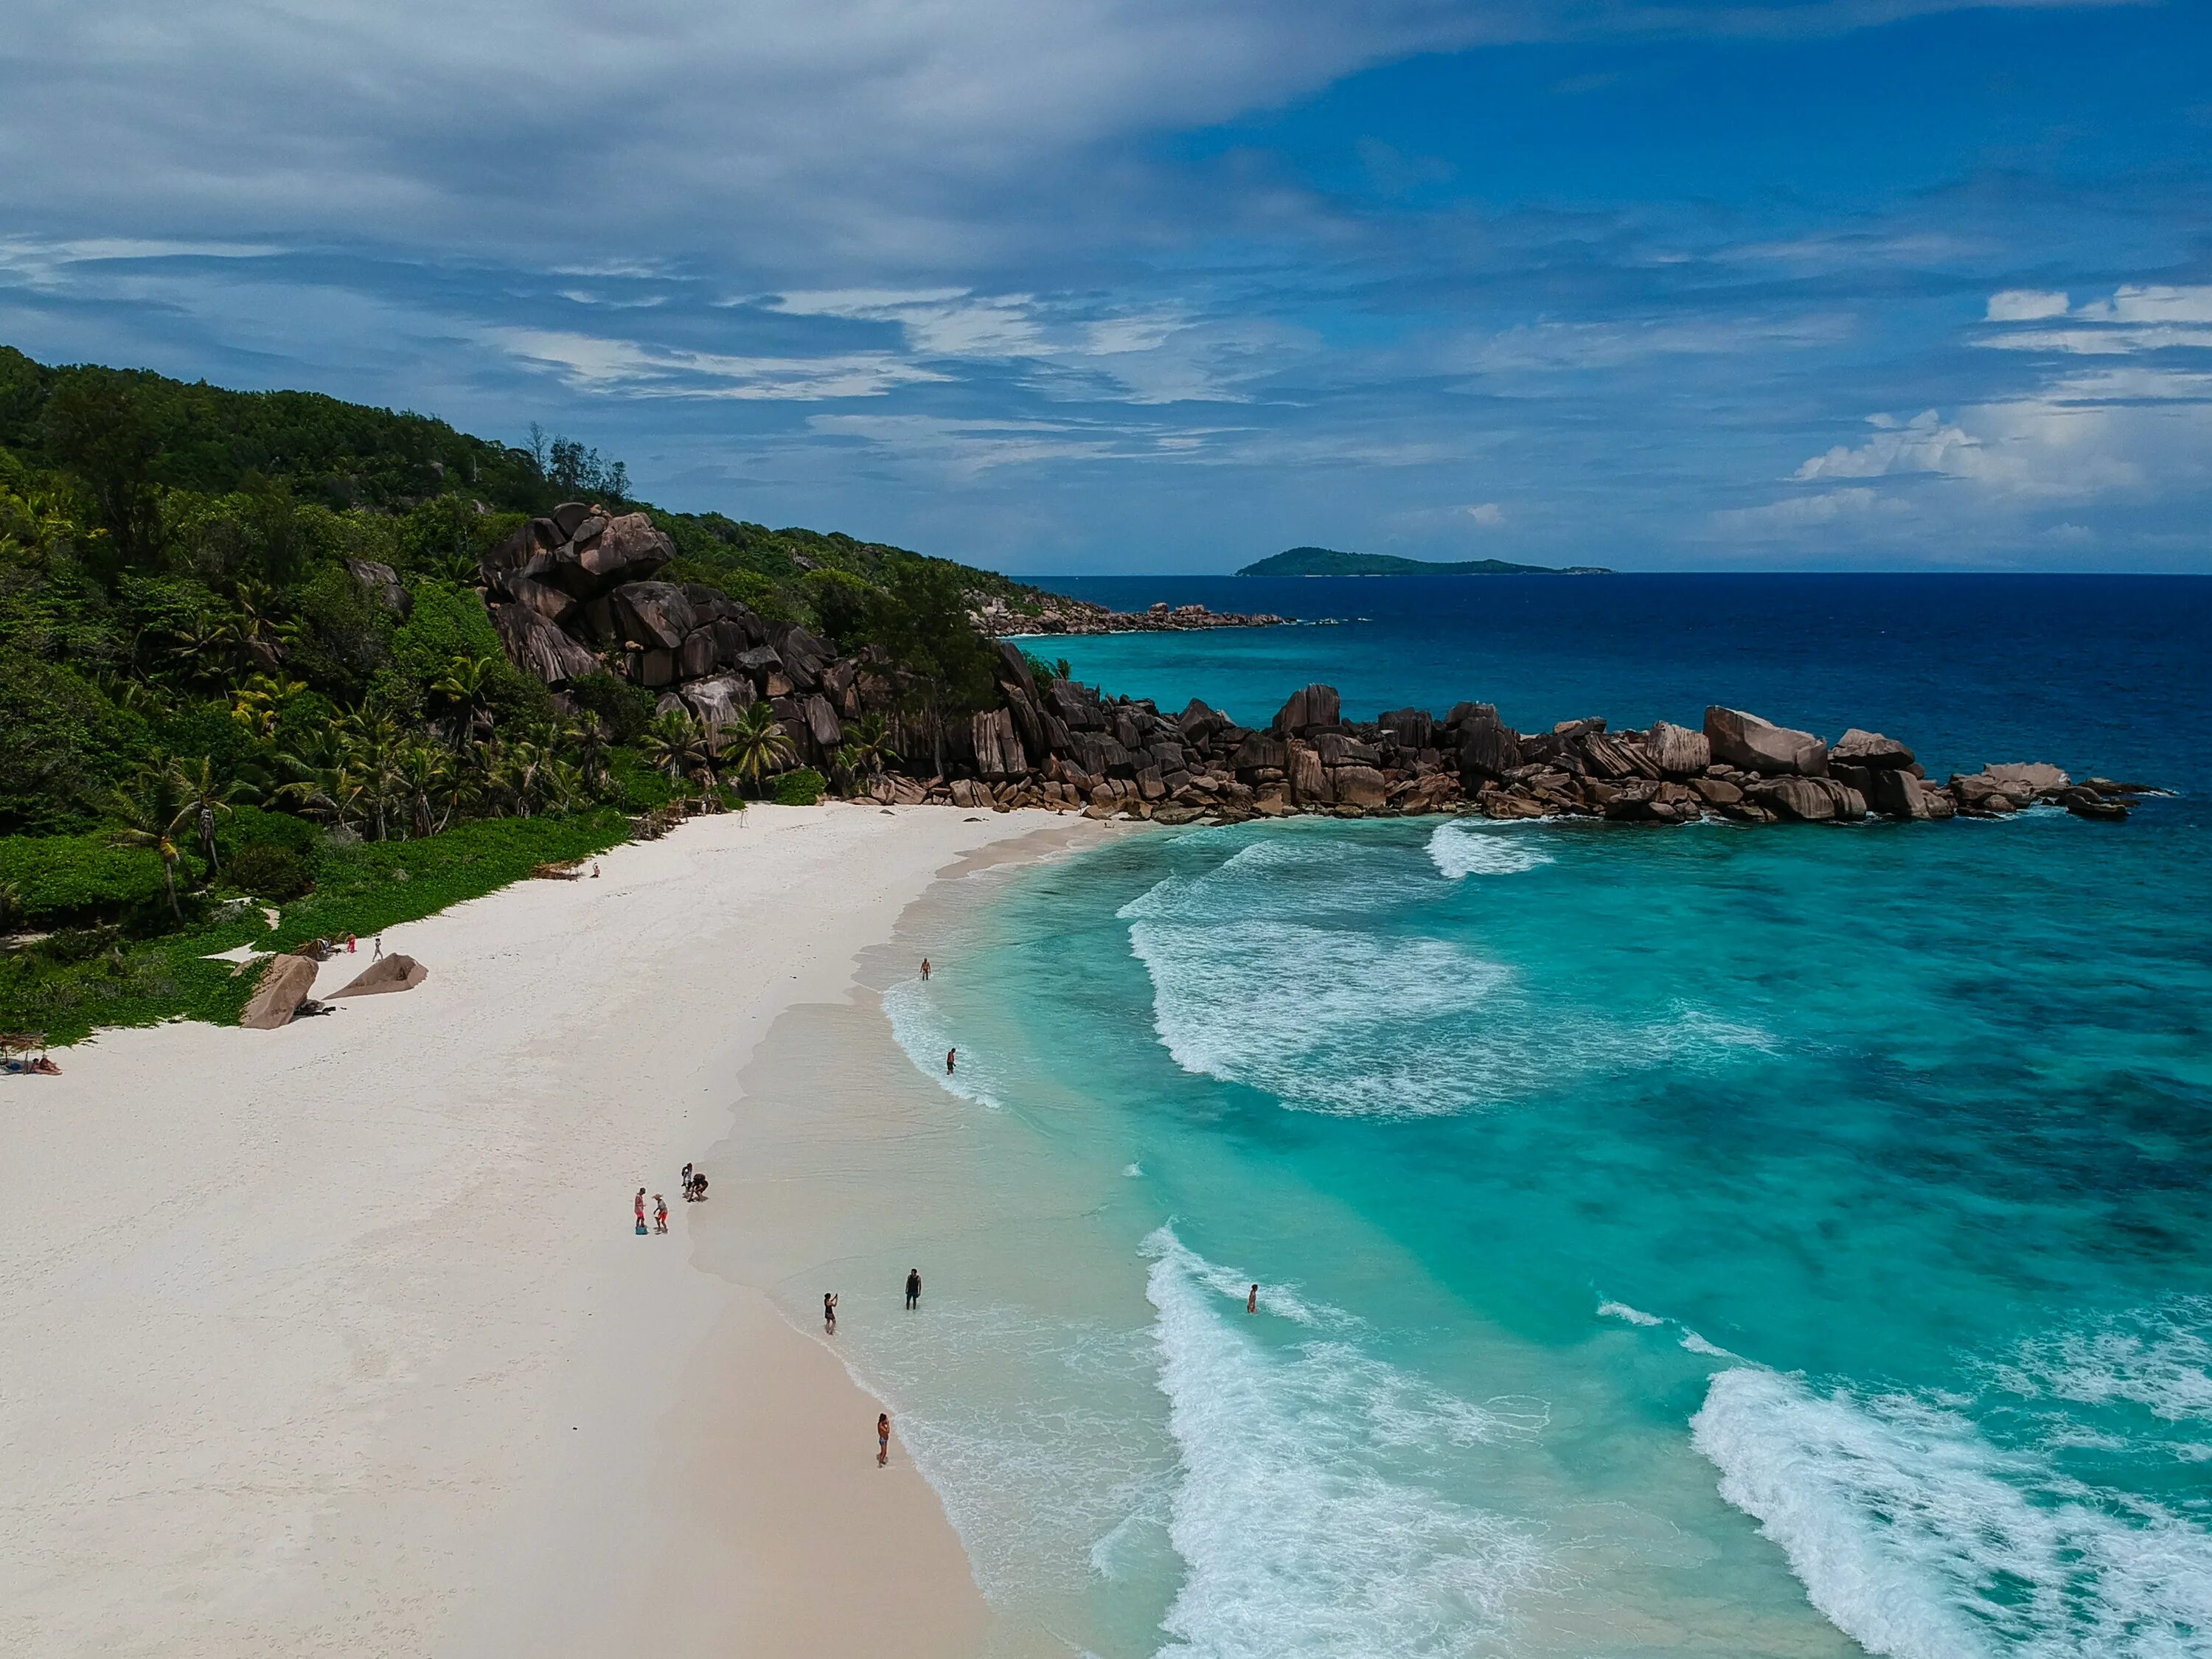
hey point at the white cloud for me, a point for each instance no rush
(1857, 503)
(2133, 317)
(2025, 305)
(1488, 514)
(589, 363)
(1923, 444)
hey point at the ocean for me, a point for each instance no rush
(1696, 1241)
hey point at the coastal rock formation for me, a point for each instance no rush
(1062, 615)
(578, 592)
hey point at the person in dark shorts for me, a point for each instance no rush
(829, 1311)
(883, 1438)
(913, 1289)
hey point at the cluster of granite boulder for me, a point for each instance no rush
(1055, 613)
(1062, 746)
(574, 593)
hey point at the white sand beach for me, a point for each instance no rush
(339, 1339)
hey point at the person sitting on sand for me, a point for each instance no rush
(883, 1438)
(698, 1188)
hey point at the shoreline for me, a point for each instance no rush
(337, 1338)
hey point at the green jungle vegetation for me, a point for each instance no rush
(201, 704)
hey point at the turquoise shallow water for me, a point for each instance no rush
(1683, 1242)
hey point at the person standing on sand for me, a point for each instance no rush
(1252, 1301)
(352, 945)
(950, 1055)
(913, 1289)
(925, 968)
(379, 948)
(829, 1311)
(640, 1209)
(883, 1439)
(659, 1214)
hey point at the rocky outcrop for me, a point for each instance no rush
(1745, 741)
(1055, 613)
(381, 583)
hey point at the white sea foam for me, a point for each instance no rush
(1920, 1539)
(2159, 1358)
(1251, 987)
(1460, 850)
(1302, 1515)
(1692, 1343)
(1622, 1310)
(1132, 1170)
(918, 1027)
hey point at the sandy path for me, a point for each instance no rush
(339, 1339)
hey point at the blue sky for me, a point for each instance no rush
(1118, 285)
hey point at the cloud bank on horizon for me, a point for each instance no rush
(1131, 285)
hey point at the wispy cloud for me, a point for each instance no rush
(590, 362)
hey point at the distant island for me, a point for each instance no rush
(1328, 561)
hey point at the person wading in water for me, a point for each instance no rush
(913, 1289)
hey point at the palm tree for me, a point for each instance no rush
(675, 743)
(420, 770)
(257, 704)
(205, 649)
(149, 812)
(867, 745)
(201, 800)
(588, 735)
(466, 685)
(757, 743)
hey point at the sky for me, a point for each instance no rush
(1121, 286)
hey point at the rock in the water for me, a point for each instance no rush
(2026, 779)
(2088, 804)
(1309, 705)
(1981, 793)
(1757, 746)
(392, 973)
(1716, 791)
(284, 986)
(1678, 752)
(1801, 799)
(1871, 750)
(1896, 793)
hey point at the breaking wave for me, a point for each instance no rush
(1460, 850)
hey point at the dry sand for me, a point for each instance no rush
(338, 1338)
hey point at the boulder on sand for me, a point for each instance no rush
(1745, 741)
(284, 986)
(392, 973)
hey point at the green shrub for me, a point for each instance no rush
(624, 709)
(267, 870)
(70, 878)
(801, 788)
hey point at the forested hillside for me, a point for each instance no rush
(243, 641)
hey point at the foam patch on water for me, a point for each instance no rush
(920, 1027)
(2157, 1358)
(1303, 1514)
(1621, 1310)
(1252, 985)
(1920, 1539)
(1460, 850)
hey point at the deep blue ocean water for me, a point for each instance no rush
(1672, 1240)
